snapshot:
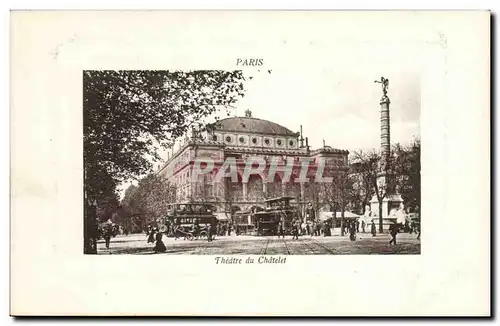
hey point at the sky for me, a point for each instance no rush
(329, 89)
(340, 107)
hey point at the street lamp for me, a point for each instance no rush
(90, 228)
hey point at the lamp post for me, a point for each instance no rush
(90, 227)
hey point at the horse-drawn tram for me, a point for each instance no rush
(267, 221)
(244, 221)
(190, 220)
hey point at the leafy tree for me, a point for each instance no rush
(149, 200)
(368, 166)
(107, 208)
(129, 115)
(339, 193)
(407, 170)
(313, 197)
(403, 175)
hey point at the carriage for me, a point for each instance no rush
(266, 222)
(243, 222)
(189, 220)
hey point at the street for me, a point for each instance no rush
(255, 245)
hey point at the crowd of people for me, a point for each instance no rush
(296, 228)
(350, 227)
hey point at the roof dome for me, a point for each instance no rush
(253, 125)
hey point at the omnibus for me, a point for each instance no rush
(266, 222)
(242, 221)
(182, 218)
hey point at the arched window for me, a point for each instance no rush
(274, 188)
(255, 187)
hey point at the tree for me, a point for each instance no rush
(402, 174)
(368, 166)
(149, 200)
(107, 208)
(407, 170)
(129, 115)
(344, 193)
(313, 196)
(338, 194)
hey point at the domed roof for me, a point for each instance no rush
(253, 125)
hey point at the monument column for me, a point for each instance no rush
(385, 142)
(385, 127)
(385, 180)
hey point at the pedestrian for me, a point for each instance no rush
(196, 228)
(357, 226)
(159, 246)
(229, 227)
(363, 226)
(418, 230)
(295, 229)
(212, 229)
(327, 232)
(373, 228)
(237, 229)
(352, 231)
(407, 226)
(151, 237)
(394, 229)
(176, 228)
(107, 235)
(281, 228)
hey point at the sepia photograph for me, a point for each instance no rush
(195, 162)
(157, 156)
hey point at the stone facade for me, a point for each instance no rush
(243, 138)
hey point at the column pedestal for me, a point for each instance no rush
(390, 204)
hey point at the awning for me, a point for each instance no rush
(348, 214)
(221, 216)
(326, 215)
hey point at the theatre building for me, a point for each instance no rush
(242, 138)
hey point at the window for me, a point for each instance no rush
(214, 137)
(254, 140)
(291, 143)
(228, 139)
(267, 142)
(242, 140)
(279, 142)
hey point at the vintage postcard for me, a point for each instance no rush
(290, 160)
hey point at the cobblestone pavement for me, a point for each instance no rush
(254, 245)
